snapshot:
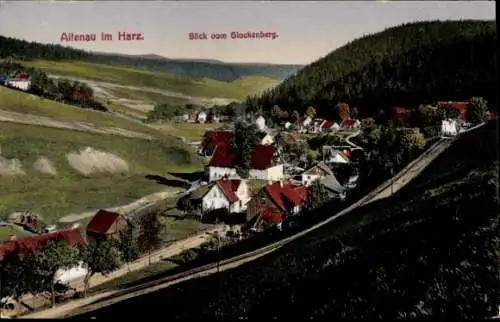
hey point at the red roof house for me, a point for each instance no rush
(461, 107)
(282, 198)
(326, 125)
(33, 243)
(229, 188)
(349, 124)
(262, 157)
(212, 139)
(107, 223)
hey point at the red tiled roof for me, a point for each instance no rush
(347, 123)
(229, 188)
(262, 157)
(34, 243)
(101, 221)
(216, 137)
(283, 194)
(301, 191)
(271, 214)
(327, 124)
(461, 106)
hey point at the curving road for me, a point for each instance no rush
(384, 190)
(348, 140)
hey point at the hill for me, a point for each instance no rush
(43, 168)
(408, 65)
(431, 251)
(20, 49)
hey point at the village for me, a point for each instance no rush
(285, 176)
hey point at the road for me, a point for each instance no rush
(401, 179)
(348, 140)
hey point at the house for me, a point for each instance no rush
(350, 125)
(19, 80)
(201, 117)
(326, 126)
(401, 114)
(232, 195)
(25, 245)
(490, 116)
(331, 155)
(260, 121)
(106, 224)
(287, 125)
(212, 138)
(185, 117)
(325, 175)
(335, 127)
(276, 201)
(265, 138)
(461, 107)
(192, 117)
(303, 123)
(263, 164)
(449, 127)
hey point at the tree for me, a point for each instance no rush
(52, 256)
(310, 112)
(127, 245)
(448, 114)
(150, 228)
(354, 113)
(344, 111)
(476, 110)
(244, 139)
(317, 195)
(98, 257)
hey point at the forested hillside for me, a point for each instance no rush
(20, 49)
(407, 65)
(430, 252)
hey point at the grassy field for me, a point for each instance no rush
(193, 132)
(68, 191)
(238, 89)
(147, 96)
(15, 101)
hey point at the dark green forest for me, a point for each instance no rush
(430, 251)
(408, 65)
(20, 49)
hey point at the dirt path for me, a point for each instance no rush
(14, 117)
(124, 208)
(169, 251)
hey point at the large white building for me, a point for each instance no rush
(263, 164)
(449, 127)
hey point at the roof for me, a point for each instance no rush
(490, 116)
(346, 123)
(320, 165)
(461, 106)
(326, 124)
(271, 214)
(262, 157)
(229, 188)
(332, 183)
(102, 221)
(33, 243)
(216, 137)
(283, 194)
(201, 191)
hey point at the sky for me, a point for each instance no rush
(306, 31)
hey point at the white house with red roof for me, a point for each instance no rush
(336, 156)
(212, 138)
(232, 195)
(350, 124)
(274, 202)
(327, 126)
(20, 80)
(263, 164)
